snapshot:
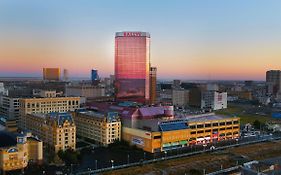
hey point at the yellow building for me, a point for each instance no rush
(56, 130)
(103, 128)
(46, 105)
(51, 74)
(173, 134)
(16, 151)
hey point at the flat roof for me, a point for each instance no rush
(92, 114)
(207, 118)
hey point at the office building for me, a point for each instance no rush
(46, 105)
(9, 107)
(214, 100)
(176, 84)
(153, 85)
(94, 75)
(51, 74)
(103, 128)
(210, 100)
(132, 66)
(16, 151)
(161, 135)
(273, 82)
(85, 90)
(180, 97)
(56, 130)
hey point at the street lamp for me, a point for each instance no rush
(204, 146)
(71, 169)
(96, 164)
(112, 163)
(165, 154)
(144, 155)
(128, 159)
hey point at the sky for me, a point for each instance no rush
(190, 39)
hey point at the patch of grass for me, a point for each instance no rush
(244, 118)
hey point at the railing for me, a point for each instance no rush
(174, 156)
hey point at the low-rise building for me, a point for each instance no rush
(213, 100)
(85, 90)
(46, 93)
(56, 130)
(103, 128)
(177, 133)
(16, 151)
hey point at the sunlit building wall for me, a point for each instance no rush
(51, 74)
(132, 66)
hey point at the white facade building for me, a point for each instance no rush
(214, 100)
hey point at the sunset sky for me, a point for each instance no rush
(190, 39)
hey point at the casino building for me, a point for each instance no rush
(156, 135)
(132, 66)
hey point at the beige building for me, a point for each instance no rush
(85, 90)
(46, 105)
(16, 151)
(56, 130)
(180, 97)
(102, 128)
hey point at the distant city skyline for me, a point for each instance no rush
(191, 40)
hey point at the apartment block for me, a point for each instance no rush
(103, 128)
(56, 130)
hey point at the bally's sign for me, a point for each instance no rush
(132, 34)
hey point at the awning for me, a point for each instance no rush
(175, 143)
(183, 142)
(166, 144)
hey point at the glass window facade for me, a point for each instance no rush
(132, 66)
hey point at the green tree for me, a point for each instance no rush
(259, 125)
(69, 156)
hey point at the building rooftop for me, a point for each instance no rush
(205, 118)
(173, 125)
(56, 116)
(91, 113)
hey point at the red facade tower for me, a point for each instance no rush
(132, 66)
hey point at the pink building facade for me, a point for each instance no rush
(132, 65)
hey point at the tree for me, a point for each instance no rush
(69, 156)
(258, 125)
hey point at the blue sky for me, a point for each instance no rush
(191, 39)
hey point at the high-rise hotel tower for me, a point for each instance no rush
(132, 66)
